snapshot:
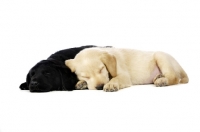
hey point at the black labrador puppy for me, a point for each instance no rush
(52, 74)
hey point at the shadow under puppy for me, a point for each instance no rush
(112, 69)
(52, 74)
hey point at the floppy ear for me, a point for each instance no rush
(110, 63)
(68, 79)
(24, 86)
(69, 63)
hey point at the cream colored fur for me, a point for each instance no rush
(114, 69)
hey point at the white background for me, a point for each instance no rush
(32, 30)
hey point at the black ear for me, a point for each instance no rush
(68, 79)
(24, 86)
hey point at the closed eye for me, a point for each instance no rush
(46, 73)
(85, 77)
(101, 69)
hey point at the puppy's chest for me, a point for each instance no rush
(140, 66)
(144, 76)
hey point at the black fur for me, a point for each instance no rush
(52, 74)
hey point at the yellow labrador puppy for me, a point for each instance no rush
(112, 69)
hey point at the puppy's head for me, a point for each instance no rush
(49, 76)
(94, 66)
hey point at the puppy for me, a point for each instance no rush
(52, 74)
(112, 69)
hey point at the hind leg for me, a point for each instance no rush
(184, 77)
(169, 69)
(165, 80)
(160, 81)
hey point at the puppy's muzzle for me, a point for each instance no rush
(99, 87)
(34, 86)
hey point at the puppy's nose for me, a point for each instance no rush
(99, 87)
(34, 83)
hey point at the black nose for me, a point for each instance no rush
(34, 83)
(99, 87)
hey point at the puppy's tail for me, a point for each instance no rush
(184, 77)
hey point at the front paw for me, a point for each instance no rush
(111, 87)
(81, 85)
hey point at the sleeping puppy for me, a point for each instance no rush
(52, 74)
(112, 69)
